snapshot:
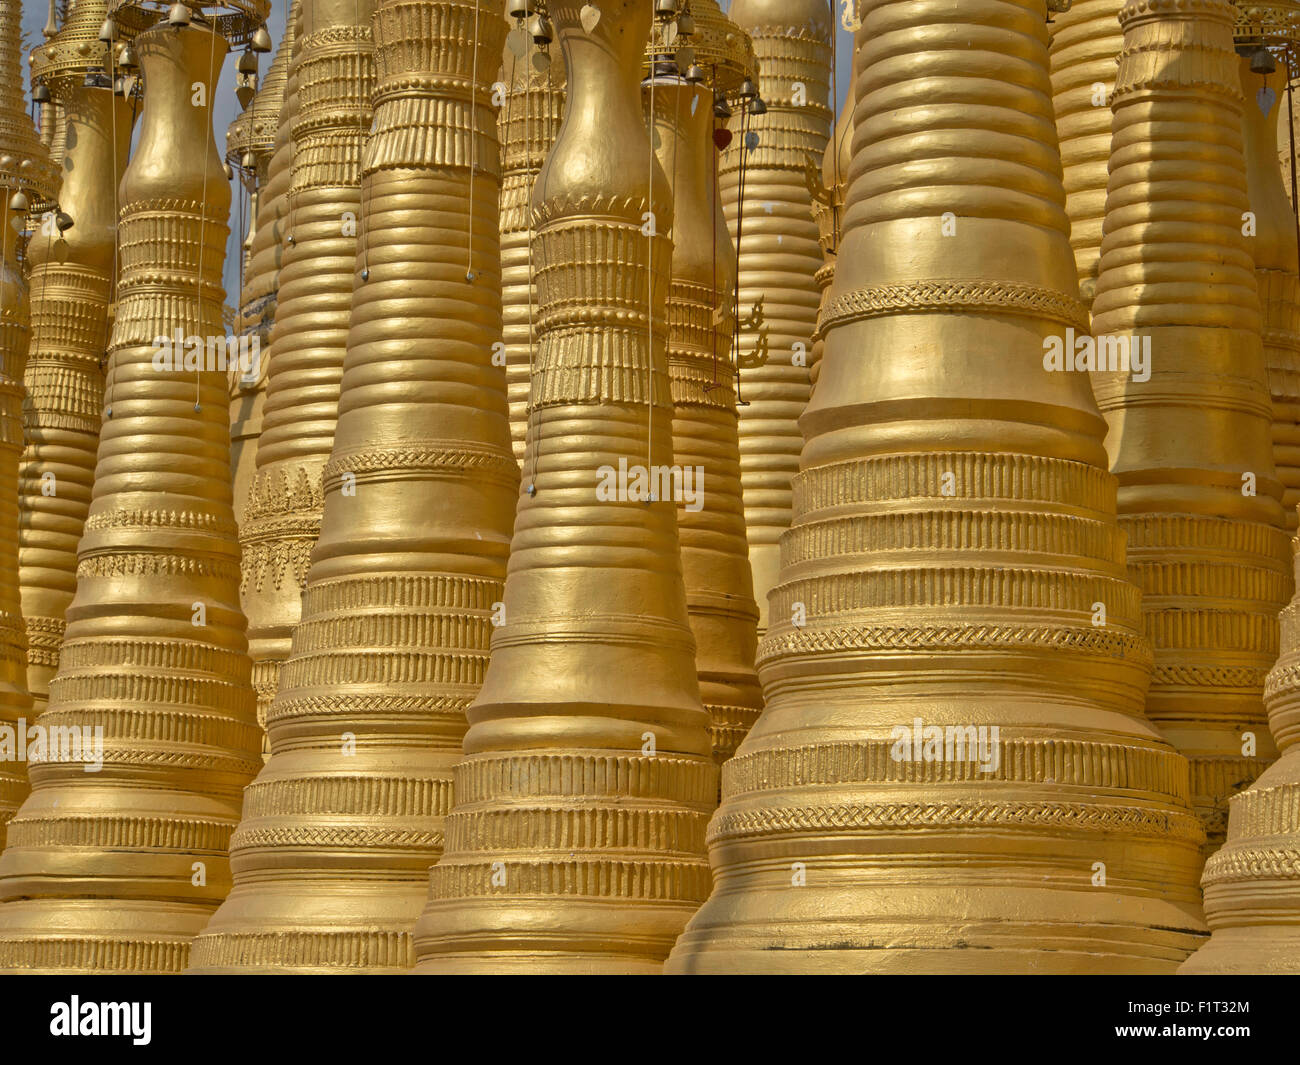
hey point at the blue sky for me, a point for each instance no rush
(35, 13)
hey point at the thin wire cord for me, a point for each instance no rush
(117, 207)
(473, 152)
(530, 430)
(203, 218)
(716, 296)
(650, 270)
(740, 226)
(833, 247)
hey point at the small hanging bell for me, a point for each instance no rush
(542, 31)
(1262, 62)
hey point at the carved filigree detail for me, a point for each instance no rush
(955, 297)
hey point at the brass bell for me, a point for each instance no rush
(541, 29)
(1262, 61)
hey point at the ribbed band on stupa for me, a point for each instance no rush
(576, 839)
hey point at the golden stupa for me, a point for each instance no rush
(1267, 38)
(527, 121)
(1184, 391)
(768, 203)
(27, 178)
(73, 258)
(953, 756)
(576, 842)
(333, 80)
(660, 500)
(261, 139)
(706, 451)
(341, 826)
(118, 856)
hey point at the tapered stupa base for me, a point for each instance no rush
(88, 935)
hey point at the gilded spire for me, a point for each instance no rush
(527, 123)
(1185, 393)
(576, 843)
(25, 173)
(72, 274)
(119, 855)
(768, 205)
(334, 79)
(341, 826)
(257, 301)
(706, 454)
(1271, 225)
(952, 772)
(1084, 54)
